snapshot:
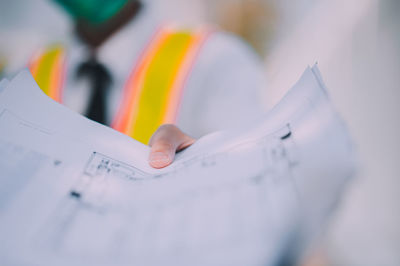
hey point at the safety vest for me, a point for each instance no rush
(154, 89)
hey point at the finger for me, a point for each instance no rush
(165, 142)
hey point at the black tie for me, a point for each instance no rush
(100, 80)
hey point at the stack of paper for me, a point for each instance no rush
(74, 192)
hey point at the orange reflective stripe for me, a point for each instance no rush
(154, 89)
(48, 69)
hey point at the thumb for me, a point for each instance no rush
(165, 142)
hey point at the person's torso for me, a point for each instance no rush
(147, 77)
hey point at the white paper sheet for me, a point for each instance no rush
(74, 192)
(3, 84)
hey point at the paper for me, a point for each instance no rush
(74, 192)
(3, 84)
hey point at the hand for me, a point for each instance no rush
(165, 142)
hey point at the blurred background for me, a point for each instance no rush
(357, 46)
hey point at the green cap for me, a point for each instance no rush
(93, 11)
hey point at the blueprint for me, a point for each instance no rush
(74, 192)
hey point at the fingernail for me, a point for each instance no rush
(159, 159)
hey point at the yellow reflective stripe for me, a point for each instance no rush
(47, 68)
(158, 81)
(154, 90)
